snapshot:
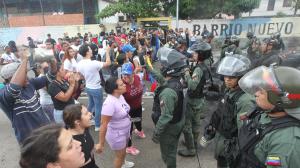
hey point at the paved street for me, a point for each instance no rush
(148, 158)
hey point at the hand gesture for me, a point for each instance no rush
(77, 76)
(72, 80)
(99, 148)
(23, 53)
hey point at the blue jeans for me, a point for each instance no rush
(95, 103)
(58, 116)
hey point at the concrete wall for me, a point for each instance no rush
(19, 34)
(262, 27)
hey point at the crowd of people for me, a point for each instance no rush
(258, 100)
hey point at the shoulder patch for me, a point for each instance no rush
(273, 161)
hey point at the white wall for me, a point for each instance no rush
(109, 20)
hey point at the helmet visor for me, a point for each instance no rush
(233, 66)
(170, 57)
(261, 78)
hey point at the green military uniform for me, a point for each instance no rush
(247, 45)
(194, 110)
(274, 140)
(281, 145)
(169, 97)
(168, 133)
(226, 119)
(244, 104)
(233, 49)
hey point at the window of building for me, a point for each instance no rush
(90, 10)
(51, 6)
(271, 5)
(71, 6)
(287, 3)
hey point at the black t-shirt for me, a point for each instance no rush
(52, 41)
(54, 88)
(87, 145)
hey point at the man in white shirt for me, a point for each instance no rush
(76, 47)
(90, 70)
(8, 56)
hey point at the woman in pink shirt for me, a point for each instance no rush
(115, 122)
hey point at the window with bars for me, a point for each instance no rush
(271, 5)
(287, 3)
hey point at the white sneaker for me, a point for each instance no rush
(128, 164)
(97, 129)
(143, 109)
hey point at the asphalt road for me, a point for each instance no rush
(148, 158)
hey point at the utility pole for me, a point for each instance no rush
(43, 14)
(83, 12)
(6, 13)
(177, 14)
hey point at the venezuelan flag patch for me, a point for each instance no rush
(273, 161)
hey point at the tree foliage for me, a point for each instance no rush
(188, 8)
(136, 8)
(296, 6)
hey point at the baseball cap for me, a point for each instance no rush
(10, 69)
(127, 69)
(126, 48)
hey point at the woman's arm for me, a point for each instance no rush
(103, 128)
(67, 95)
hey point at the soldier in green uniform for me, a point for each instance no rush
(225, 120)
(250, 37)
(232, 48)
(275, 144)
(168, 104)
(196, 79)
(268, 55)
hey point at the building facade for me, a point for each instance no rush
(23, 13)
(269, 8)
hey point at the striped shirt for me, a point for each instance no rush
(22, 106)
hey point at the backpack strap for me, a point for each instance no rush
(280, 123)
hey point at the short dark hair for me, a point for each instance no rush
(48, 41)
(41, 147)
(71, 114)
(84, 49)
(111, 85)
(121, 59)
(49, 35)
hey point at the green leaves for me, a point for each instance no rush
(137, 8)
(187, 8)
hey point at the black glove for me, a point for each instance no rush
(155, 138)
(209, 132)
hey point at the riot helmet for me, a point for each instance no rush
(203, 49)
(234, 66)
(277, 35)
(270, 41)
(281, 83)
(234, 40)
(250, 35)
(172, 62)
